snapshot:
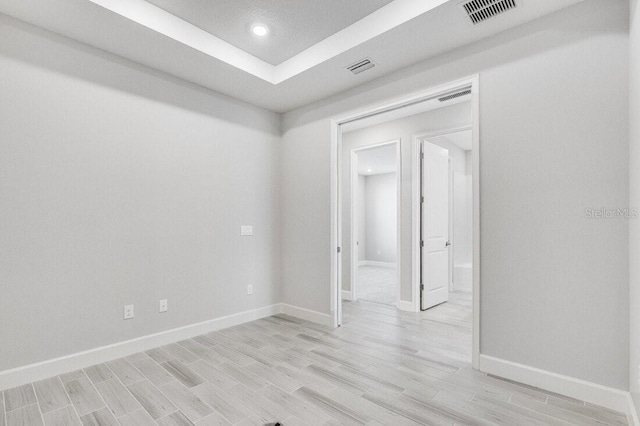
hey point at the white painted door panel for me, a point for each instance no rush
(435, 225)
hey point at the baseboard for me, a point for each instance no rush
(347, 295)
(307, 314)
(403, 305)
(65, 364)
(614, 399)
(378, 264)
(611, 398)
(68, 363)
(634, 405)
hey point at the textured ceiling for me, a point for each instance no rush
(295, 24)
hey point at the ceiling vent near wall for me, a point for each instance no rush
(481, 10)
(361, 66)
(455, 95)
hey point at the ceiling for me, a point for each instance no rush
(376, 161)
(295, 24)
(407, 111)
(394, 35)
(463, 139)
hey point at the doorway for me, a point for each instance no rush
(445, 187)
(409, 280)
(435, 239)
(372, 219)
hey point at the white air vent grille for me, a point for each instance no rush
(361, 66)
(481, 10)
(455, 95)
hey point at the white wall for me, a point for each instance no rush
(462, 231)
(381, 209)
(634, 202)
(462, 218)
(554, 141)
(403, 129)
(119, 185)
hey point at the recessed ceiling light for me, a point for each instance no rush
(369, 170)
(259, 30)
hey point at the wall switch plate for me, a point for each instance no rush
(249, 289)
(128, 311)
(246, 230)
(163, 306)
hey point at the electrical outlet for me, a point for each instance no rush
(128, 312)
(163, 306)
(249, 289)
(246, 230)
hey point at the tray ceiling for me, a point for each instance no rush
(294, 25)
(393, 34)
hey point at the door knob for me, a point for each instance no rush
(447, 244)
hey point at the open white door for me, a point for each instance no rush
(435, 225)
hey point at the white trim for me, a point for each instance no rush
(72, 362)
(347, 295)
(415, 223)
(443, 132)
(403, 101)
(307, 314)
(335, 279)
(378, 264)
(403, 305)
(452, 231)
(632, 415)
(475, 176)
(159, 20)
(53, 367)
(613, 399)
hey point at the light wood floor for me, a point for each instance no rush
(377, 284)
(382, 367)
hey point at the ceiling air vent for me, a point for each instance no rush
(361, 66)
(455, 95)
(481, 10)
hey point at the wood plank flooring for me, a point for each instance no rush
(382, 367)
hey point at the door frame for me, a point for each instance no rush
(354, 204)
(415, 208)
(335, 284)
